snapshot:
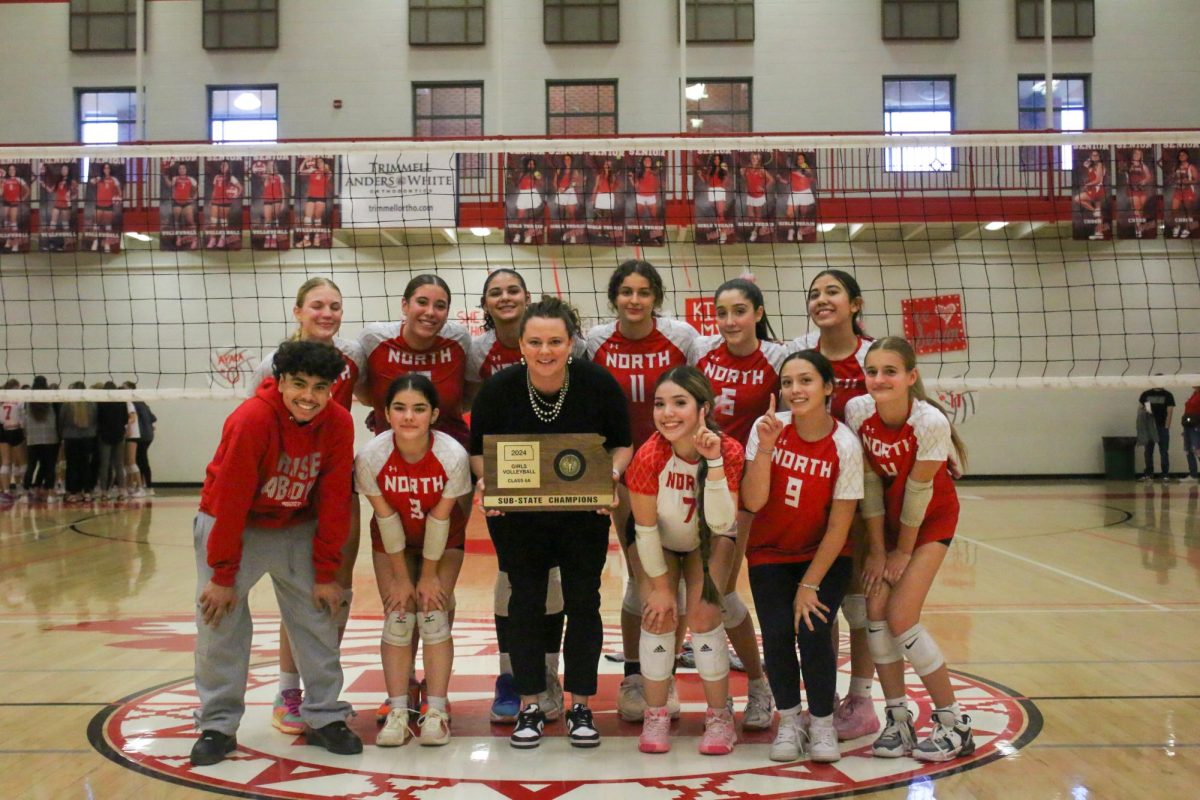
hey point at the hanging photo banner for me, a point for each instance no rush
(1137, 193)
(713, 196)
(179, 204)
(1091, 190)
(1180, 179)
(394, 189)
(646, 221)
(270, 217)
(796, 195)
(314, 202)
(934, 324)
(606, 203)
(104, 206)
(525, 186)
(565, 198)
(58, 223)
(755, 200)
(17, 189)
(224, 183)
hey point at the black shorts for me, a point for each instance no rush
(12, 436)
(188, 204)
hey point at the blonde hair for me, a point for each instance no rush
(80, 409)
(901, 347)
(305, 288)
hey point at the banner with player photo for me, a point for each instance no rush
(606, 199)
(224, 189)
(796, 195)
(1091, 188)
(565, 198)
(755, 200)
(104, 206)
(525, 188)
(646, 221)
(1136, 214)
(270, 212)
(16, 189)
(713, 195)
(58, 220)
(179, 204)
(314, 202)
(1180, 179)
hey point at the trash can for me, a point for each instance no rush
(1119, 457)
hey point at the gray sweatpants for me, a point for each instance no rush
(223, 653)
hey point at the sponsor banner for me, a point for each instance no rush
(935, 324)
(314, 202)
(646, 216)
(104, 206)
(224, 192)
(566, 198)
(179, 204)
(713, 185)
(1091, 194)
(526, 182)
(58, 206)
(394, 189)
(1180, 179)
(1137, 193)
(270, 211)
(756, 199)
(796, 195)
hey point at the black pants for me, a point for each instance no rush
(80, 470)
(143, 462)
(774, 588)
(527, 546)
(43, 458)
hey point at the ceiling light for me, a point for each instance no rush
(481, 232)
(826, 227)
(995, 226)
(141, 237)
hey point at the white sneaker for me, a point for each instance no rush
(435, 728)
(760, 708)
(631, 699)
(823, 743)
(946, 742)
(898, 737)
(395, 732)
(791, 740)
(138, 492)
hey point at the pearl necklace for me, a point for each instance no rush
(543, 409)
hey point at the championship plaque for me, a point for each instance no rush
(547, 472)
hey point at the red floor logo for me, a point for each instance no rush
(153, 734)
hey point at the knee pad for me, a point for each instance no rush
(342, 617)
(881, 644)
(920, 649)
(398, 629)
(656, 652)
(554, 595)
(854, 608)
(435, 627)
(712, 654)
(632, 602)
(733, 611)
(501, 591)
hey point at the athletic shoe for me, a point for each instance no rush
(395, 732)
(735, 662)
(898, 737)
(381, 713)
(760, 709)
(530, 724)
(138, 492)
(285, 715)
(855, 717)
(631, 699)
(823, 744)
(656, 731)
(672, 698)
(946, 742)
(435, 728)
(551, 700)
(336, 737)
(719, 734)
(580, 727)
(791, 740)
(1166, 479)
(1145, 479)
(506, 703)
(211, 748)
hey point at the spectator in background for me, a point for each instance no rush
(41, 436)
(1161, 405)
(1191, 432)
(112, 418)
(146, 420)
(77, 421)
(133, 436)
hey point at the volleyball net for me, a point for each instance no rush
(1010, 260)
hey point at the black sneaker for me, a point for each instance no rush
(530, 724)
(336, 737)
(580, 727)
(211, 748)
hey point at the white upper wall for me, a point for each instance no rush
(817, 65)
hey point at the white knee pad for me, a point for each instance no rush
(712, 654)
(398, 629)
(554, 597)
(342, 617)
(881, 644)
(501, 591)
(733, 611)
(854, 608)
(656, 652)
(435, 626)
(632, 602)
(920, 649)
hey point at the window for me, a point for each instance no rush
(920, 19)
(453, 110)
(446, 21)
(241, 24)
(106, 116)
(243, 114)
(576, 108)
(720, 20)
(1070, 19)
(1070, 114)
(103, 25)
(581, 21)
(918, 105)
(719, 105)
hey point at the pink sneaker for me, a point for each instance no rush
(656, 731)
(855, 717)
(719, 734)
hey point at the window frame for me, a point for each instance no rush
(1038, 16)
(691, 6)
(130, 15)
(472, 166)
(749, 81)
(447, 5)
(952, 166)
(80, 91)
(242, 87)
(222, 15)
(564, 8)
(1030, 158)
(605, 82)
(901, 4)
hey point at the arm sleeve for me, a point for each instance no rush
(365, 480)
(333, 496)
(458, 474)
(849, 485)
(932, 430)
(234, 487)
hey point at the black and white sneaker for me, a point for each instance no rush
(530, 724)
(898, 737)
(949, 739)
(580, 727)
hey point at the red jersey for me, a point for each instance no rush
(272, 188)
(488, 355)
(743, 385)
(445, 363)
(637, 363)
(657, 471)
(565, 181)
(346, 384)
(182, 189)
(108, 191)
(891, 452)
(800, 181)
(715, 180)
(269, 471)
(62, 194)
(527, 182)
(849, 380)
(606, 183)
(318, 185)
(756, 182)
(14, 190)
(225, 188)
(1138, 176)
(413, 489)
(648, 183)
(1192, 407)
(12, 415)
(806, 477)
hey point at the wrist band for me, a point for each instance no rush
(810, 586)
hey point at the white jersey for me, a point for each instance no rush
(12, 415)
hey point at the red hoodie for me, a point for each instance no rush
(272, 472)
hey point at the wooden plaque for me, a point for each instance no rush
(546, 472)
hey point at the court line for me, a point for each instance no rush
(1114, 697)
(1130, 746)
(1065, 574)
(39, 752)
